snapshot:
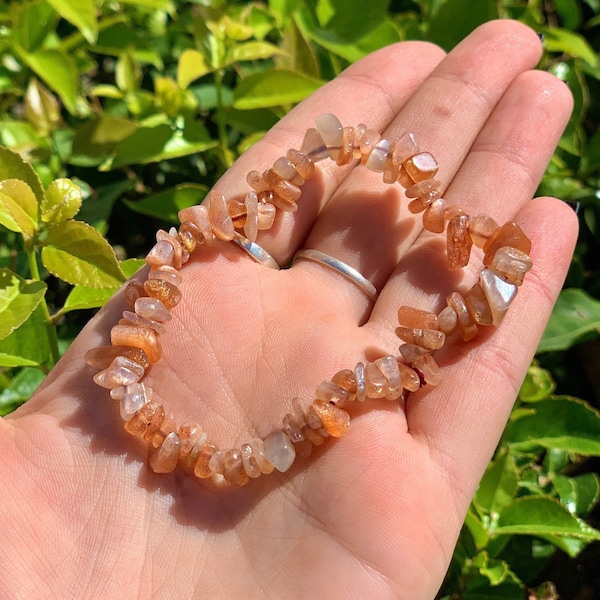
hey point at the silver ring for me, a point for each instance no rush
(256, 252)
(337, 265)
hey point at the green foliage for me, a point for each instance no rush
(113, 114)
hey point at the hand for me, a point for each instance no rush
(377, 513)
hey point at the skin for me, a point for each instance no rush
(377, 513)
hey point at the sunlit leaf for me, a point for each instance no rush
(85, 297)
(538, 385)
(577, 494)
(568, 42)
(27, 345)
(62, 201)
(18, 206)
(166, 204)
(18, 299)
(191, 66)
(538, 515)
(81, 13)
(59, 71)
(499, 484)
(41, 107)
(20, 390)
(12, 166)
(562, 422)
(574, 315)
(273, 88)
(78, 254)
(253, 51)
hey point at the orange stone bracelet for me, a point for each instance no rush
(135, 339)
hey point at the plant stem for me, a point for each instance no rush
(50, 327)
(221, 118)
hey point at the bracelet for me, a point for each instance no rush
(135, 344)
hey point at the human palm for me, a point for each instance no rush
(375, 514)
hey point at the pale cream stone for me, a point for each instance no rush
(279, 450)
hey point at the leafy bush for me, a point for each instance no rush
(110, 110)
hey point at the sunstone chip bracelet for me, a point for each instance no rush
(135, 339)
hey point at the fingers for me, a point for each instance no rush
(364, 223)
(462, 420)
(499, 175)
(375, 88)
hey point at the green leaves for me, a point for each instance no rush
(575, 314)
(18, 206)
(18, 299)
(76, 253)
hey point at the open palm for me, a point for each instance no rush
(375, 514)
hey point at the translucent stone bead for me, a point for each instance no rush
(331, 131)
(315, 437)
(359, 132)
(313, 146)
(266, 216)
(192, 456)
(404, 147)
(163, 236)
(220, 221)
(415, 317)
(166, 273)
(168, 294)
(428, 338)
(293, 429)
(459, 242)
(284, 167)
(452, 211)
(410, 352)
(132, 401)
(258, 450)
(155, 423)
(420, 204)
(359, 377)
(346, 380)
(233, 468)
(423, 187)
(190, 236)
(138, 337)
(390, 172)
(279, 450)
(466, 324)
(376, 385)
(101, 357)
(499, 294)
(478, 305)
(421, 166)
(201, 468)
(345, 154)
(152, 308)
(299, 411)
(135, 388)
(138, 424)
(249, 462)
(121, 371)
(237, 212)
(289, 192)
(481, 227)
(216, 462)
(198, 215)
(256, 181)
(330, 392)
(429, 369)
(134, 290)
(447, 320)
(511, 264)
(378, 157)
(251, 224)
(162, 253)
(388, 366)
(409, 378)
(131, 318)
(164, 459)
(303, 165)
(433, 217)
(510, 234)
(335, 420)
(189, 433)
(167, 426)
(368, 141)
